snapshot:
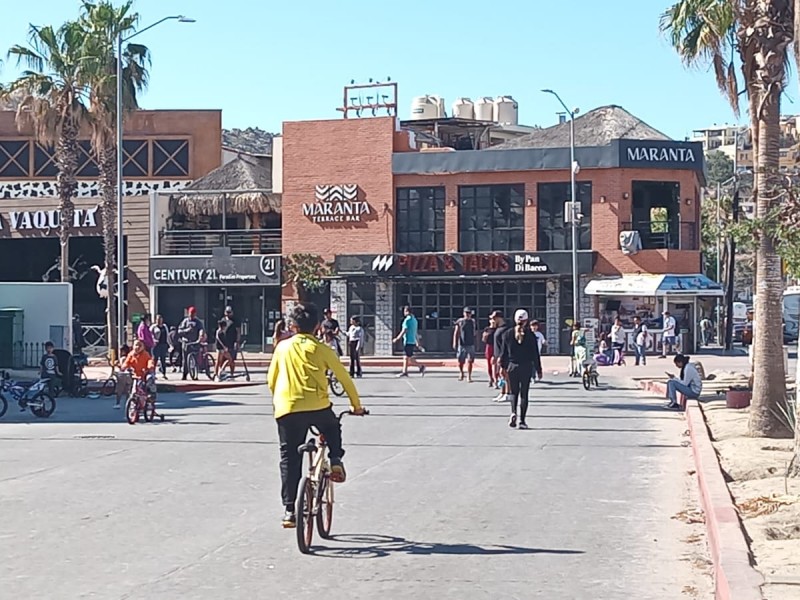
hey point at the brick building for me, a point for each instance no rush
(437, 228)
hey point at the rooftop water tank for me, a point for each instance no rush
(464, 108)
(484, 109)
(506, 110)
(426, 107)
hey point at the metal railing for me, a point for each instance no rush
(183, 242)
(665, 235)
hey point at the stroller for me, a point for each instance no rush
(74, 380)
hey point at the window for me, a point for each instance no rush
(491, 218)
(553, 232)
(655, 215)
(420, 219)
(437, 305)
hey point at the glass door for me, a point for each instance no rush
(361, 304)
(248, 309)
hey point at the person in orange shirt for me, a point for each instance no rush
(139, 361)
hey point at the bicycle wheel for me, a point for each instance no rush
(192, 366)
(149, 410)
(3, 405)
(132, 410)
(109, 387)
(336, 386)
(325, 507)
(209, 366)
(43, 405)
(304, 511)
(587, 381)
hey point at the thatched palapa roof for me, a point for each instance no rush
(597, 127)
(243, 185)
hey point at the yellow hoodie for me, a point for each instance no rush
(298, 378)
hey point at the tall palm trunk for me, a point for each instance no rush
(67, 185)
(766, 41)
(107, 166)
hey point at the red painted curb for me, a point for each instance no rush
(735, 578)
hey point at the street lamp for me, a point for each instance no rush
(120, 237)
(574, 205)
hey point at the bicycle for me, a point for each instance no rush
(315, 493)
(142, 401)
(34, 397)
(336, 386)
(590, 375)
(199, 359)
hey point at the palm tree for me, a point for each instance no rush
(54, 107)
(756, 35)
(102, 21)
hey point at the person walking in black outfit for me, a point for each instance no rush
(520, 358)
(160, 335)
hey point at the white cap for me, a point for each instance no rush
(520, 316)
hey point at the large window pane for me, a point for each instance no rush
(553, 232)
(420, 219)
(491, 217)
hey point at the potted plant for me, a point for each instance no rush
(738, 396)
(308, 273)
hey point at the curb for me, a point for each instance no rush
(171, 388)
(735, 578)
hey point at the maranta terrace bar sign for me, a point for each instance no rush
(660, 154)
(336, 204)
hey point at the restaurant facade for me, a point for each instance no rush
(163, 150)
(439, 229)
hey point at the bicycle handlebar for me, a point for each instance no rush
(351, 412)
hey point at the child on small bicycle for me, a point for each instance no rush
(297, 378)
(141, 364)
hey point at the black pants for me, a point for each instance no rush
(355, 359)
(160, 355)
(292, 432)
(519, 378)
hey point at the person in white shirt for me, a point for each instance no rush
(689, 383)
(540, 339)
(618, 341)
(355, 344)
(668, 338)
(640, 337)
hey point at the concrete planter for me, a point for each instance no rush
(738, 398)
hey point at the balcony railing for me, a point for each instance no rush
(664, 235)
(240, 241)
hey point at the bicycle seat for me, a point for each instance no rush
(309, 446)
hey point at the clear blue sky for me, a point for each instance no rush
(264, 62)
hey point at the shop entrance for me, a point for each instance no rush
(437, 305)
(256, 309)
(361, 304)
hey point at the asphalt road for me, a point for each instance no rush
(443, 500)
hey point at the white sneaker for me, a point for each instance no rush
(117, 405)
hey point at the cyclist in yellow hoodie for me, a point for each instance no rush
(298, 380)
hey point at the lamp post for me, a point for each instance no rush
(574, 206)
(120, 236)
(720, 185)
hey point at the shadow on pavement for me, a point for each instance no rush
(100, 410)
(380, 546)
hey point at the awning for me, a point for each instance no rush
(654, 285)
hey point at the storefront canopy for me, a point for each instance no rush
(655, 285)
